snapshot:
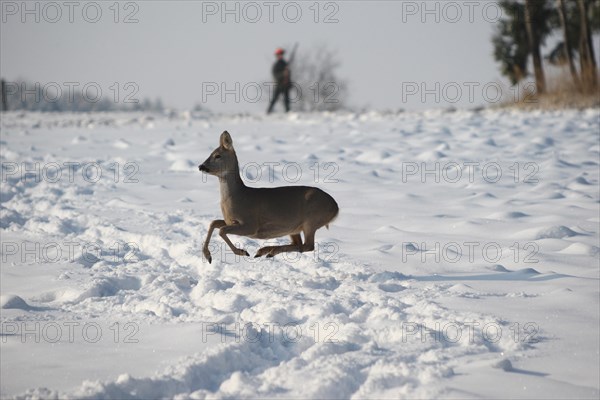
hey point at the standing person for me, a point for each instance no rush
(4, 100)
(281, 73)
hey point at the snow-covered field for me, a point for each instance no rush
(464, 262)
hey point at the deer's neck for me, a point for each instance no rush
(231, 184)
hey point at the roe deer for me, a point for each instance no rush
(264, 213)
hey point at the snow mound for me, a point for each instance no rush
(9, 301)
(581, 249)
(373, 156)
(504, 365)
(431, 155)
(122, 144)
(199, 375)
(183, 166)
(548, 232)
(508, 215)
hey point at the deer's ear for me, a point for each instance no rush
(226, 141)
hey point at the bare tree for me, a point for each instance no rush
(562, 13)
(315, 79)
(534, 45)
(586, 49)
(511, 46)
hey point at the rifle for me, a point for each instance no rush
(293, 53)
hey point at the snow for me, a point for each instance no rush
(464, 262)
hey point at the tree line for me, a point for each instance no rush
(33, 96)
(523, 31)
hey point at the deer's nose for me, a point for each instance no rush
(203, 168)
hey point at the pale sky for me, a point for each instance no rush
(390, 51)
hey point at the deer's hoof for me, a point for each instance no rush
(262, 252)
(268, 251)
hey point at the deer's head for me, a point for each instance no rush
(222, 160)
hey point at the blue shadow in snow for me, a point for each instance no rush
(527, 274)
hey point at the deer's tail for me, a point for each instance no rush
(336, 211)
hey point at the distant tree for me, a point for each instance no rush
(521, 34)
(511, 47)
(158, 105)
(538, 16)
(315, 76)
(578, 28)
(586, 49)
(29, 96)
(567, 48)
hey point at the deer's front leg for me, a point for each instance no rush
(216, 224)
(235, 229)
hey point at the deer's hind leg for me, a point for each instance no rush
(296, 239)
(270, 251)
(295, 246)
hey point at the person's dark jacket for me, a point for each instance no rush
(279, 73)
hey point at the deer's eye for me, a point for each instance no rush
(217, 156)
